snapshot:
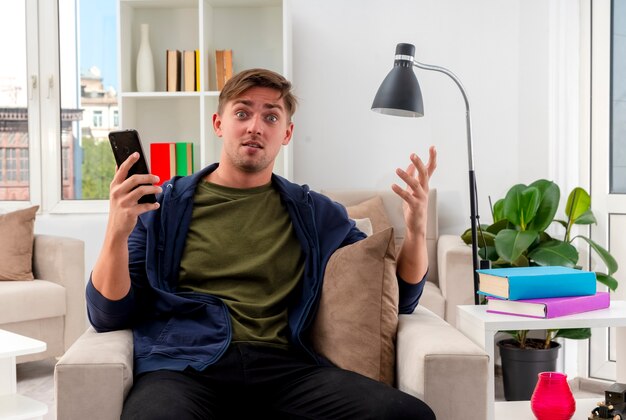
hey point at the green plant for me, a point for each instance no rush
(518, 238)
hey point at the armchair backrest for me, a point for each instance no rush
(393, 207)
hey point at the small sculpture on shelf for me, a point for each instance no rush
(614, 405)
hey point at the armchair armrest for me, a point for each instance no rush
(62, 260)
(455, 274)
(94, 376)
(438, 364)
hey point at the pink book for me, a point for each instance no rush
(549, 307)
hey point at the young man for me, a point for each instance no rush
(219, 277)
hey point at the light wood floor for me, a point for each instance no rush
(36, 380)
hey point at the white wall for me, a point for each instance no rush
(499, 50)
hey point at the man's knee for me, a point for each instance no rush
(166, 395)
(344, 394)
(405, 406)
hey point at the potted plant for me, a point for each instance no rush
(518, 237)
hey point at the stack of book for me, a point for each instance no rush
(541, 292)
(170, 159)
(182, 71)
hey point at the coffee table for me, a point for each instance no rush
(481, 327)
(13, 405)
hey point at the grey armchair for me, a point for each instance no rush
(434, 361)
(50, 308)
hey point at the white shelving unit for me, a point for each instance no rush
(258, 32)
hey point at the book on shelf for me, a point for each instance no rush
(536, 282)
(223, 67)
(173, 70)
(549, 307)
(184, 158)
(163, 160)
(197, 55)
(189, 71)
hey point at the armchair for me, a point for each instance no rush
(50, 308)
(455, 266)
(434, 361)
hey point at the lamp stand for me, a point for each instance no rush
(474, 224)
(472, 177)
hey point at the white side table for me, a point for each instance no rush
(520, 410)
(13, 405)
(481, 327)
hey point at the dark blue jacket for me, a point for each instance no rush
(174, 330)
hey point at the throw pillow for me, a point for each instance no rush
(373, 209)
(16, 246)
(357, 319)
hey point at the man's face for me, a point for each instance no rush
(253, 127)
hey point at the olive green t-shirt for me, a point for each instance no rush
(241, 247)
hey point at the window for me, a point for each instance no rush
(97, 118)
(61, 80)
(89, 96)
(11, 166)
(23, 164)
(618, 97)
(14, 140)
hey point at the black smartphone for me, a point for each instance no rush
(124, 143)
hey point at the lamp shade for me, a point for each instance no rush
(400, 93)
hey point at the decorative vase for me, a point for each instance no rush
(145, 64)
(552, 398)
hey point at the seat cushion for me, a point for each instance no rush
(30, 299)
(357, 319)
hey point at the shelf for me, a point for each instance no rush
(160, 95)
(255, 30)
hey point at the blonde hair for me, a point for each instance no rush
(247, 79)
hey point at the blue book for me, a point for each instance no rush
(536, 282)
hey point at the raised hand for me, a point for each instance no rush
(415, 195)
(413, 257)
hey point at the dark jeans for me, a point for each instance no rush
(267, 382)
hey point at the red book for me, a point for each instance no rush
(163, 160)
(549, 307)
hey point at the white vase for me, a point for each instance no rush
(145, 64)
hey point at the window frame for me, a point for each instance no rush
(32, 34)
(44, 112)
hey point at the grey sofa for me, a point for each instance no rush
(50, 308)
(435, 362)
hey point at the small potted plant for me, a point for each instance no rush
(518, 237)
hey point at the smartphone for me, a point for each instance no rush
(124, 143)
